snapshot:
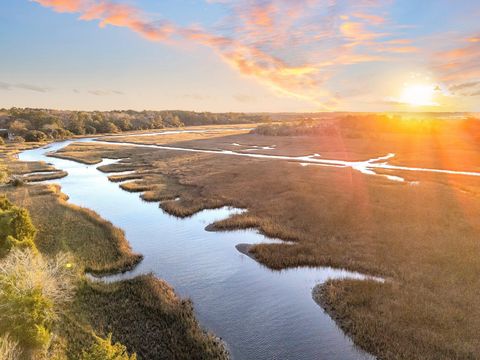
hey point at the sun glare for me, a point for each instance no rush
(418, 95)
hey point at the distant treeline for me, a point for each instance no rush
(356, 125)
(41, 124)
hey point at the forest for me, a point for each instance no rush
(43, 124)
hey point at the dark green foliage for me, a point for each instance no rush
(34, 136)
(103, 349)
(26, 315)
(16, 228)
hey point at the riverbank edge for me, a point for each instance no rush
(222, 349)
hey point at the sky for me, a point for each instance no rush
(251, 55)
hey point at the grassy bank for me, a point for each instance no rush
(44, 177)
(148, 303)
(143, 313)
(96, 244)
(423, 235)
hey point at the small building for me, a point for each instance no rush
(7, 134)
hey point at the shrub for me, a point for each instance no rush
(16, 228)
(103, 349)
(32, 294)
(17, 181)
(35, 136)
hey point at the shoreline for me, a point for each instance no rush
(201, 342)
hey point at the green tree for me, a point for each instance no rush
(33, 291)
(35, 135)
(104, 349)
(16, 228)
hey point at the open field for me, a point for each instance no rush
(125, 309)
(422, 235)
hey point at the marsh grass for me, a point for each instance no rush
(99, 246)
(9, 349)
(145, 312)
(188, 207)
(125, 177)
(148, 303)
(266, 227)
(43, 177)
(74, 156)
(424, 238)
(136, 186)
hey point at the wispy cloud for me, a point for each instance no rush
(105, 92)
(23, 86)
(321, 37)
(459, 67)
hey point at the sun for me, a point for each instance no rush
(418, 95)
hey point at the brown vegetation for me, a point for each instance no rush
(43, 177)
(423, 236)
(145, 312)
(153, 320)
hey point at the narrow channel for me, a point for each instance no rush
(259, 313)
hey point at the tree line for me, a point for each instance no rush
(42, 124)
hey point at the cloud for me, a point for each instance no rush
(319, 35)
(105, 92)
(62, 5)
(458, 64)
(464, 86)
(371, 18)
(23, 86)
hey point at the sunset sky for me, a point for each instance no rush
(252, 55)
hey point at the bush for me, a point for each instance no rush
(103, 349)
(32, 294)
(35, 136)
(16, 228)
(17, 181)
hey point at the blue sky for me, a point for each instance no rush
(252, 55)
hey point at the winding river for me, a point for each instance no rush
(259, 313)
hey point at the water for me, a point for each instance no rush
(366, 167)
(259, 313)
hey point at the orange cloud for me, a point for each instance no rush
(371, 19)
(262, 15)
(249, 60)
(63, 5)
(460, 64)
(357, 31)
(260, 31)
